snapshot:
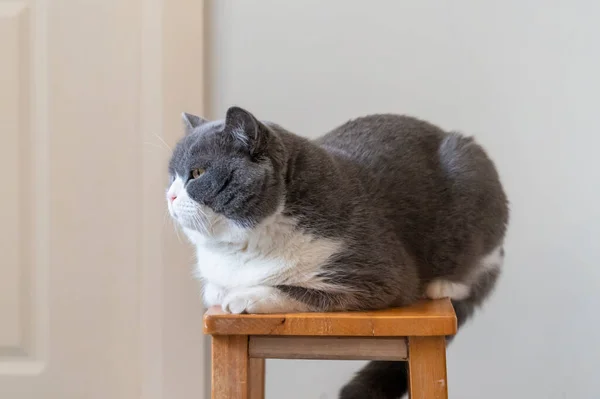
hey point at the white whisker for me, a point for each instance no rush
(206, 218)
(164, 142)
(198, 223)
(154, 145)
(165, 217)
(176, 231)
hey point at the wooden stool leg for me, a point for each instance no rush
(427, 368)
(230, 367)
(257, 378)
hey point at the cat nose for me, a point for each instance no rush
(172, 197)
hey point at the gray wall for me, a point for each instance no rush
(522, 76)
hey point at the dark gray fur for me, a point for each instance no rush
(411, 203)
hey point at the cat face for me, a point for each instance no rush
(225, 173)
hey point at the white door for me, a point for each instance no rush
(96, 294)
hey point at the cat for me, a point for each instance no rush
(380, 212)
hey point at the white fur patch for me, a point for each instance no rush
(447, 289)
(493, 260)
(239, 266)
(457, 291)
(274, 252)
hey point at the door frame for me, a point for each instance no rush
(172, 80)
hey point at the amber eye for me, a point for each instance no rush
(196, 173)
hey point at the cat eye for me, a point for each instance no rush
(196, 173)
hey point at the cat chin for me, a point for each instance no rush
(220, 231)
(194, 236)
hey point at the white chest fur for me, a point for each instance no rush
(275, 252)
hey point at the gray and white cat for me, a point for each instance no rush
(381, 211)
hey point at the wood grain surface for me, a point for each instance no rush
(425, 318)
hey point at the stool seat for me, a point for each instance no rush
(415, 334)
(425, 318)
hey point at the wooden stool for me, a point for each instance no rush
(241, 343)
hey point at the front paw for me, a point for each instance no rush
(259, 299)
(235, 304)
(212, 294)
(245, 300)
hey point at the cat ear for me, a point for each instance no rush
(191, 121)
(246, 129)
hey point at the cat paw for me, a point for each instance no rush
(246, 300)
(235, 304)
(259, 299)
(212, 294)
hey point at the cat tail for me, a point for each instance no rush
(389, 380)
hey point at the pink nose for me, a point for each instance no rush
(172, 197)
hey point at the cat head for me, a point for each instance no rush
(225, 174)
